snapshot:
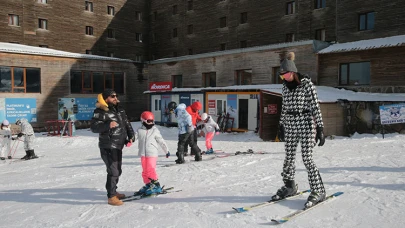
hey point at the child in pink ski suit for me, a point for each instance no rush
(209, 126)
(149, 141)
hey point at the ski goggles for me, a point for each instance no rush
(149, 121)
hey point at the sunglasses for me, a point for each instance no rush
(114, 96)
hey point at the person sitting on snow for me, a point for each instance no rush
(28, 132)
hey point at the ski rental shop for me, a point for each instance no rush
(238, 105)
(164, 99)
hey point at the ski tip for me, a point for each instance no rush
(240, 209)
(337, 193)
(279, 221)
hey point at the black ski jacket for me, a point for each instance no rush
(114, 138)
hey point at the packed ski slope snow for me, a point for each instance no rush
(65, 187)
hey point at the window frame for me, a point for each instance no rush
(111, 34)
(89, 31)
(222, 22)
(138, 15)
(111, 10)
(320, 34)
(175, 81)
(190, 29)
(138, 37)
(42, 1)
(289, 37)
(88, 6)
(43, 23)
(12, 20)
(209, 76)
(190, 5)
(243, 18)
(190, 51)
(175, 10)
(174, 33)
(320, 4)
(242, 79)
(348, 73)
(89, 52)
(290, 8)
(24, 86)
(90, 90)
(243, 44)
(366, 16)
(222, 47)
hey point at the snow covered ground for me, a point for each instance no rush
(65, 187)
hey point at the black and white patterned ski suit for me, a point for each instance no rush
(299, 110)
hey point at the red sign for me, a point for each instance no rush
(211, 103)
(272, 109)
(160, 86)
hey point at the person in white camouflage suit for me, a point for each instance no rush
(28, 132)
(299, 110)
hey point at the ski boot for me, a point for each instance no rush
(210, 151)
(9, 157)
(2, 158)
(32, 154)
(27, 156)
(314, 198)
(180, 158)
(198, 156)
(154, 188)
(142, 190)
(289, 189)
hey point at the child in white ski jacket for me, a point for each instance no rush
(209, 127)
(149, 142)
(28, 132)
(5, 138)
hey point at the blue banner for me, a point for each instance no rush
(17, 108)
(392, 114)
(76, 108)
(185, 98)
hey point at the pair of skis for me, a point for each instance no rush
(139, 197)
(296, 213)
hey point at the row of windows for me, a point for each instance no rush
(349, 74)
(20, 80)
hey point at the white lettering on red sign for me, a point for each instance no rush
(154, 86)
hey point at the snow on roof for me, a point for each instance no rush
(391, 41)
(31, 50)
(328, 94)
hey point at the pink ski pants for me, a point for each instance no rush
(208, 138)
(148, 168)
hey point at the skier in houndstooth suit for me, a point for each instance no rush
(300, 116)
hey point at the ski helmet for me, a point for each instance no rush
(147, 117)
(5, 123)
(196, 105)
(204, 116)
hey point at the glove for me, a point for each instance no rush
(190, 129)
(217, 133)
(319, 136)
(168, 154)
(280, 133)
(128, 144)
(12, 138)
(19, 135)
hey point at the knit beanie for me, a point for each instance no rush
(288, 65)
(107, 93)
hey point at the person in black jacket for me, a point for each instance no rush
(115, 131)
(300, 113)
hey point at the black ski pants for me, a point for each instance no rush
(188, 139)
(113, 161)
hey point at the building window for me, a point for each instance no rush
(43, 46)
(89, 30)
(320, 4)
(222, 22)
(138, 37)
(190, 51)
(175, 54)
(223, 47)
(190, 5)
(111, 33)
(243, 18)
(174, 9)
(243, 77)
(96, 82)
(138, 58)
(138, 16)
(190, 29)
(110, 54)
(290, 8)
(111, 10)
(13, 20)
(276, 75)
(177, 81)
(209, 79)
(366, 21)
(354, 73)
(154, 37)
(43, 1)
(88, 6)
(243, 44)
(289, 37)
(320, 34)
(174, 35)
(89, 52)
(43, 23)
(20, 80)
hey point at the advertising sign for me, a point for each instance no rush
(160, 86)
(392, 114)
(76, 108)
(17, 108)
(212, 107)
(272, 109)
(185, 98)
